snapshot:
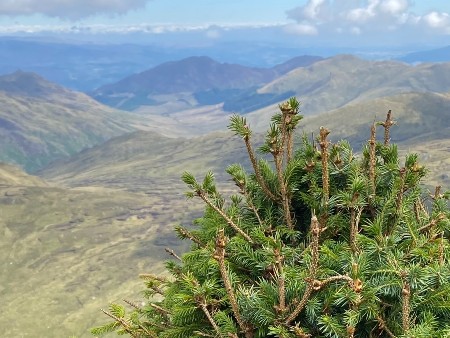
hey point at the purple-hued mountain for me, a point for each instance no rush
(197, 74)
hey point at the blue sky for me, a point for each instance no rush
(350, 21)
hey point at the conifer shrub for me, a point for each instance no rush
(316, 242)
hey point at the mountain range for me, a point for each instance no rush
(205, 80)
(323, 84)
(102, 59)
(106, 189)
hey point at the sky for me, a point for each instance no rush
(351, 21)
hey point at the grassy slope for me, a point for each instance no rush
(145, 161)
(41, 121)
(341, 80)
(68, 252)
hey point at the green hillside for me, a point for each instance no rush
(41, 121)
(340, 80)
(148, 162)
(67, 251)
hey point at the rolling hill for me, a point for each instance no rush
(344, 79)
(41, 121)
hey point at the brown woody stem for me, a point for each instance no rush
(372, 159)
(224, 216)
(281, 280)
(259, 178)
(219, 255)
(189, 235)
(406, 297)
(172, 253)
(325, 173)
(278, 157)
(314, 245)
(208, 315)
(387, 126)
(355, 216)
(384, 327)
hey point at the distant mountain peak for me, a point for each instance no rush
(29, 84)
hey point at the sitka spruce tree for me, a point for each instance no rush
(317, 242)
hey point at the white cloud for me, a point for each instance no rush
(394, 6)
(211, 31)
(69, 9)
(437, 20)
(312, 9)
(373, 17)
(360, 15)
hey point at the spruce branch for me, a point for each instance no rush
(253, 208)
(187, 234)
(314, 246)
(406, 298)
(387, 126)
(437, 193)
(433, 222)
(441, 249)
(239, 180)
(172, 253)
(202, 191)
(419, 209)
(151, 276)
(300, 333)
(239, 125)
(372, 160)
(229, 221)
(383, 326)
(324, 144)
(351, 331)
(355, 285)
(277, 152)
(202, 334)
(285, 111)
(401, 190)
(160, 309)
(132, 304)
(208, 315)
(398, 202)
(281, 280)
(219, 255)
(122, 322)
(355, 216)
(292, 118)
